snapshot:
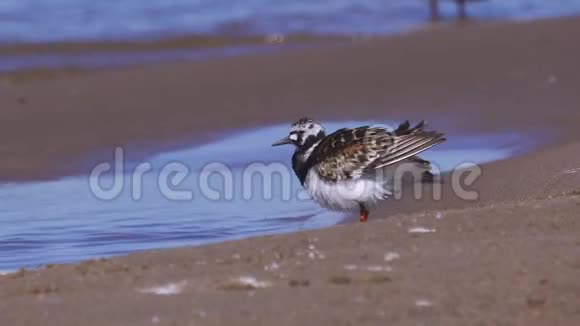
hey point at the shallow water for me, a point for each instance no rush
(64, 221)
(106, 59)
(59, 20)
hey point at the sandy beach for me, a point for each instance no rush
(512, 257)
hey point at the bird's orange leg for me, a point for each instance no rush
(364, 213)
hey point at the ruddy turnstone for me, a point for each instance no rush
(355, 168)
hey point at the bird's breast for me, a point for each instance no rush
(343, 195)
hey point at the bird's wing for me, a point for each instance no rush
(408, 142)
(348, 153)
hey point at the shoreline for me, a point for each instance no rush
(390, 205)
(380, 272)
(168, 43)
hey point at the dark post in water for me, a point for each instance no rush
(436, 15)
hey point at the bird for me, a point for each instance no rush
(355, 168)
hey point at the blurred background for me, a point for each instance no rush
(74, 20)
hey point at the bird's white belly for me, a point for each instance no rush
(344, 195)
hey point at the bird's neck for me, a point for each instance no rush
(301, 161)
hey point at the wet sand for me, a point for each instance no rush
(477, 78)
(510, 258)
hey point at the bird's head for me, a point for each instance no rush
(303, 133)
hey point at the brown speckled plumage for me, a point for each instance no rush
(349, 153)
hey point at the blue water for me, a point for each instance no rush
(64, 221)
(58, 20)
(105, 59)
(33, 21)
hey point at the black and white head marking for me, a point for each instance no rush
(306, 132)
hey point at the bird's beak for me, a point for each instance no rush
(284, 141)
